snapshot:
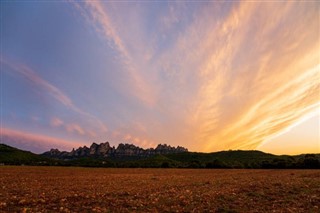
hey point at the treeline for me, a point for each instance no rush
(309, 161)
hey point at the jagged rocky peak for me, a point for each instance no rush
(123, 149)
(54, 151)
(128, 150)
(167, 149)
(93, 148)
(181, 149)
(104, 148)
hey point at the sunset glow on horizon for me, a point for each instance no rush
(207, 76)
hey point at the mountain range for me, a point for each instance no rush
(163, 156)
(106, 151)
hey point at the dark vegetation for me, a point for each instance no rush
(13, 156)
(224, 159)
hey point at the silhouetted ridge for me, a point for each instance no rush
(13, 156)
(123, 150)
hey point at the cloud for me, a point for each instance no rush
(249, 96)
(172, 16)
(208, 76)
(56, 122)
(243, 76)
(35, 79)
(36, 142)
(138, 141)
(136, 85)
(53, 91)
(75, 128)
(95, 128)
(277, 112)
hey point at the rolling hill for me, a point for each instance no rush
(13, 156)
(224, 159)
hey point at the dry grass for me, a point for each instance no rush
(56, 189)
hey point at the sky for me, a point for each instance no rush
(206, 75)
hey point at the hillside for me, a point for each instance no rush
(130, 156)
(13, 156)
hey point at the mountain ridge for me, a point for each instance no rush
(105, 150)
(127, 157)
(14, 156)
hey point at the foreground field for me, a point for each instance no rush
(66, 189)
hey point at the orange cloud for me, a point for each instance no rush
(231, 81)
(227, 81)
(127, 137)
(271, 92)
(255, 73)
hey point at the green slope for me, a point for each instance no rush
(13, 156)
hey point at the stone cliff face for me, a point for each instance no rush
(123, 150)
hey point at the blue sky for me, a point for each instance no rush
(205, 75)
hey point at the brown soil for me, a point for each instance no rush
(67, 189)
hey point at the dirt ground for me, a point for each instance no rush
(69, 189)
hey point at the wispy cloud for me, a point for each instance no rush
(75, 128)
(35, 79)
(71, 127)
(48, 88)
(56, 122)
(136, 85)
(245, 76)
(35, 142)
(90, 129)
(249, 96)
(208, 75)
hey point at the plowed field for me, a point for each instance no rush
(69, 189)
